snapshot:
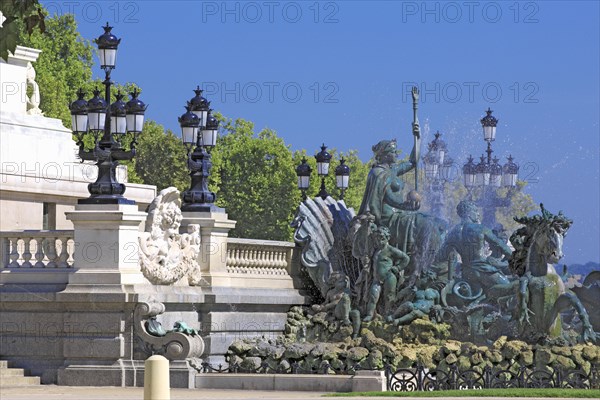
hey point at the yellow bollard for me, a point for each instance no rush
(156, 379)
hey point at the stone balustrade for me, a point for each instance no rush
(36, 249)
(249, 262)
(258, 257)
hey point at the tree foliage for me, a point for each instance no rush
(253, 175)
(160, 159)
(19, 15)
(64, 65)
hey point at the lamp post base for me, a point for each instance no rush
(106, 199)
(201, 207)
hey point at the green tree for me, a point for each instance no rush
(64, 65)
(19, 16)
(160, 159)
(253, 175)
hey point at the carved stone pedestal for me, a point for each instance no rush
(106, 244)
(214, 229)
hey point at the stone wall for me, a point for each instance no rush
(315, 341)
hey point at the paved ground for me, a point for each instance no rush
(51, 392)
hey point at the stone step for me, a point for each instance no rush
(6, 381)
(15, 376)
(12, 372)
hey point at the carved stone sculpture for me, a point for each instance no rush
(339, 302)
(415, 233)
(179, 344)
(388, 265)
(480, 274)
(166, 256)
(33, 101)
(542, 294)
(321, 228)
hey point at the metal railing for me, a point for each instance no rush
(420, 378)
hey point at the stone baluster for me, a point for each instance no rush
(237, 259)
(39, 253)
(5, 252)
(64, 253)
(229, 257)
(50, 251)
(26, 253)
(259, 260)
(279, 254)
(14, 253)
(245, 262)
(282, 262)
(71, 249)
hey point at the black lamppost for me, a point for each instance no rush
(323, 159)
(199, 130)
(489, 175)
(342, 177)
(303, 172)
(437, 171)
(342, 174)
(96, 117)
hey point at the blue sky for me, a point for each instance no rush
(339, 72)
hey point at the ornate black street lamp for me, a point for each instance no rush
(303, 172)
(199, 131)
(342, 174)
(95, 117)
(489, 175)
(342, 177)
(323, 159)
(437, 171)
(469, 176)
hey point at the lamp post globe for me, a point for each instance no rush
(303, 172)
(439, 148)
(97, 112)
(469, 174)
(79, 116)
(118, 117)
(342, 177)
(199, 106)
(447, 169)
(510, 172)
(210, 131)
(482, 173)
(107, 48)
(323, 159)
(495, 174)
(190, 124)
(135, 110)
(489, 123)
